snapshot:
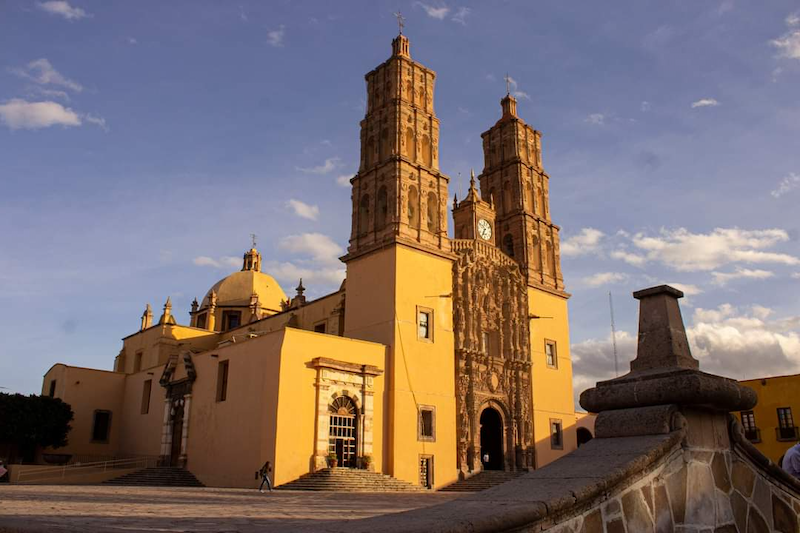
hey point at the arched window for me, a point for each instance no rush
(368, 152)
(363, 215)
(530, 195)
(413, 207)
(492, 198)
(420, 96)
(343, 431)
(381, 209)
(506, 197)
(508, 245)
(551, 259)
(410, 91)
(537, 253)
(427, 155)
(433, 212)
(411, 144)
(541, 201)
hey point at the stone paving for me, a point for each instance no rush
(138, 509)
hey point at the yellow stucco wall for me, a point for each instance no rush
(552, 387)
(774, 392)
(384, 291)
(141, 432)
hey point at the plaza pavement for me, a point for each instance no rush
(58, 509)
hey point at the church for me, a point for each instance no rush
(438, 357)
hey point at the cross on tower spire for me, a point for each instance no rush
(508, 83)
(400, 21)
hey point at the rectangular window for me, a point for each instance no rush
(137, 362)
(426, 471)
(101, 426)
(52, 389)
(751, 432)
(551, 356)
(231, 320)
(426, 426)
(320, 328)
(556, 435)
(222, 381)
(786, 429)
(201, 321)
(424, 324)
(146, 387)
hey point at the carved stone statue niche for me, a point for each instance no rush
(490, 318)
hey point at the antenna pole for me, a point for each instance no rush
(613, 334)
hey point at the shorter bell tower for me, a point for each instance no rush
(473, 217)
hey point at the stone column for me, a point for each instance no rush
(323, 424)
(166, 432)
(187, 403)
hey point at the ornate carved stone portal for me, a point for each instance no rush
(490, 312)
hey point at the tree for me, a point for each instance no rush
(28, 422)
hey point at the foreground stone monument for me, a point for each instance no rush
(667, 457)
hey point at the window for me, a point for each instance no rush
(425, 324)
(320, 328)
(52, 389)
(101, 426)
(426, 426)
(413, 207)
(786, 429)
(231, 320)
(556, 436)
(201, 321)
(381, 209)
(550, 354)
(751, 432)
(433, 213)
(146, 387)
(363, 215)
(137, 362)
(508, 245)
(222, 381)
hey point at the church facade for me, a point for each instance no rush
(437, 358)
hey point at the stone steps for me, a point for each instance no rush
(349, 480)
(481, 481)
(162, 476)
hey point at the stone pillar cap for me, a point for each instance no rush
(661, 289)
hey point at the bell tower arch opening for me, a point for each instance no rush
(491, 439)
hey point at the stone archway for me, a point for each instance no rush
(492, 439)
(343, 431)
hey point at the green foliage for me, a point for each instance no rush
(30, 421)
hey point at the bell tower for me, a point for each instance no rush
(473, 217)
(399, 194)
(513, 175)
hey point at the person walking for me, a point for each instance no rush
(265, 470)
(791, 461)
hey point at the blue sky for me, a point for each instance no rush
(141, 143)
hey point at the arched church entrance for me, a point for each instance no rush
(491, 439)
(343, 433)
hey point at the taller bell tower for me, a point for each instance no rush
(513, 176)
(399, 194)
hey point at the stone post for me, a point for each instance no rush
(187, 403)
(166, 433)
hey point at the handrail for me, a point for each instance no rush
(62, 472)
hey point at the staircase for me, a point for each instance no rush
(349, 480)
(162, 476)
(481, 481)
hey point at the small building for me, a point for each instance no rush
(770, 425)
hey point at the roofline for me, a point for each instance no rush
(83, 368)
(769, 377)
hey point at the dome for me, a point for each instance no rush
(237, 289)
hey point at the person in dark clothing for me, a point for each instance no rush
(265, 470)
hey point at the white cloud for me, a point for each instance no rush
(513, 88)
(21, 114)
(289, 272)
(629, 257)
(461, 15)
(303, 209)
(722, 278)
(686, 289)
(42, 72)
(598, 119)
(132, 40)
(790, 182)
(329, 164)
(593, 360)
(224, 262)
(100, 122)
(604, 278)
(275, 37)
(685, 251)
(243, 14)
(62, 8)
(585, 242)
(521, 94)
(435, 12)
(705, 102)
(796, 275)
(51, 93)
(320, 247)
(344, 180)
(793, 19)
(645, 107)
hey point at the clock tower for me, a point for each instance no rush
(473, 217)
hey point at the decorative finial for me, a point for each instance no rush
(400, 21)
(168, 305)
(455, 200)
(300, 289)
(508, 84)
(253, 238)
(472, 178)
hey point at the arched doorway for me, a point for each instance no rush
(584, 436)
(491, 439)
(343, 432)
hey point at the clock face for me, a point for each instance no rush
(484, 229)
